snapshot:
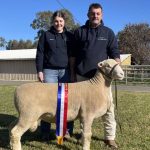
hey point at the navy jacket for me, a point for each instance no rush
(53, 50)
(92, 46)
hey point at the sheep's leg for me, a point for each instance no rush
(34, 126)
(15, 134)
(80, 138)
(87, 133)
(12, 124)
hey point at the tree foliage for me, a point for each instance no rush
(42, 21)
(21, 44)
(70, 23)
(135, 39)
(2, 42)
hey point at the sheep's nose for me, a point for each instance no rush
(122, 74)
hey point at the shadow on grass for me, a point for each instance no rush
(5, 121)
(78, 137)
(35, 136)
(97, 139)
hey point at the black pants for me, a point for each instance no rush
(46, 127)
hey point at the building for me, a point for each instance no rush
(125, 59)
(19, 65)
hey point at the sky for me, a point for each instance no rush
(17, 15)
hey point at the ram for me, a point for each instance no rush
(87, 100)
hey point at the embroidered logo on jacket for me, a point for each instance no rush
(102, 38)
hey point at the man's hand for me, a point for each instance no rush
(41, 76)
(118, 60)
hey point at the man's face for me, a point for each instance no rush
(59, 24)
(95, 16)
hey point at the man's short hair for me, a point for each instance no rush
(95, 5)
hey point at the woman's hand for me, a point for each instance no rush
(41, 76)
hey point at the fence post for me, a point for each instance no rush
(142, 75)
(126, 75)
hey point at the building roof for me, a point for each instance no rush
(23, 54)
(124, 57)
(26, 54)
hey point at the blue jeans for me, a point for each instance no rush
(55, 76)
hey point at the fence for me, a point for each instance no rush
(136, 74)
(18, 77)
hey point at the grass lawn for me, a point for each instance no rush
(133, 113)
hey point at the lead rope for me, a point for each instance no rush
(116, 102)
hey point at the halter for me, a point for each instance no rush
(110, 73)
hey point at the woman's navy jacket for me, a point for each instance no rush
(53, 50)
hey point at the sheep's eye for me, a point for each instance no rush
(108, 66)
(108, 69)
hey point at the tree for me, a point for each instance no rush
(21, 44)
(70, 23)
(42, 22)
(2, 42)
(135, 39)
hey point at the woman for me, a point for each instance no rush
(52, 59)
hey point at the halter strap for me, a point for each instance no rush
(110, 73)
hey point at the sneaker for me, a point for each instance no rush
(111, 143)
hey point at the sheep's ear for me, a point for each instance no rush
(100, 64)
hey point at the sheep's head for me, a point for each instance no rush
(111, 69)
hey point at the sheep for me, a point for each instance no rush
(87, 100)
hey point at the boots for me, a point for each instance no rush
(111, 143)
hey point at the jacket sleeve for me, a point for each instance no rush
(40, 53)
(113, 51)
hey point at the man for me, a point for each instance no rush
(95, 43)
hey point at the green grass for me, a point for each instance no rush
(133, 113)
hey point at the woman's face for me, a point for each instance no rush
(59, 24)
